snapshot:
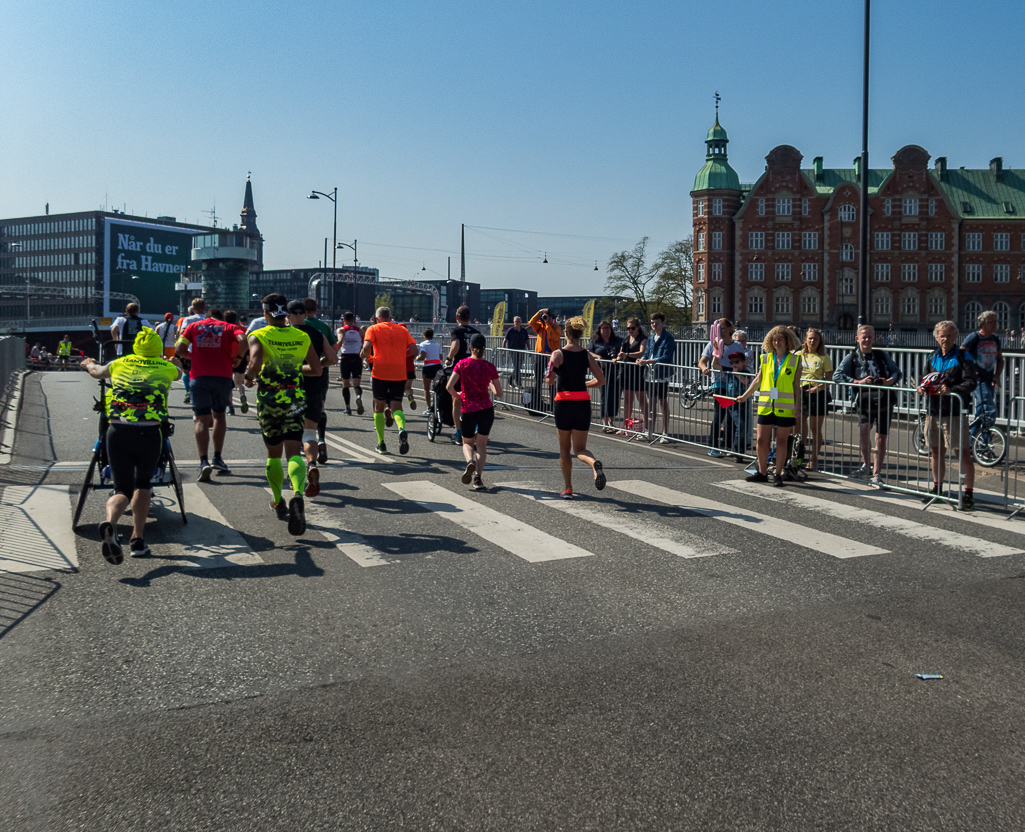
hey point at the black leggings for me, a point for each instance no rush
(133, 453)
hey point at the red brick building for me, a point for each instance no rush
(943, 243)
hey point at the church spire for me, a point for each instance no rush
(248, 223)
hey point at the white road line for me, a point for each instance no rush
(506, 532)
(353, 546)
(979, 517)
(798, 535)
(896, 525)
(35, 529)
(637, 527)
(208, 541)
(360, 453)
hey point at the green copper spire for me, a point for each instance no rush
(717, 173)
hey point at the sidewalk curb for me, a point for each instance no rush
(10, 418)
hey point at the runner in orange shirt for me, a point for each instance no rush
(391, 345)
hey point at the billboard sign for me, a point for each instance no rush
(145, 260)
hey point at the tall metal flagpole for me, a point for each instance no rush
(863, 298)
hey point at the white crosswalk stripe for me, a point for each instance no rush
(207, 542)
(640, 528)
(35, 529)
(321, 520)
(517, 538)
(794, 533)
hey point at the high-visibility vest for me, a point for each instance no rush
(64, 349)
(783, 405)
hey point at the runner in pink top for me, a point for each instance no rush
(476, 378)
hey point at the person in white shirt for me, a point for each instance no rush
(430, 354)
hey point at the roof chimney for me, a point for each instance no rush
(941, 168)
(996, 167)
(816, 165)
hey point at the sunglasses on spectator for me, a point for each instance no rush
(631, 328)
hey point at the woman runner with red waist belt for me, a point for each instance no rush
(568, 372)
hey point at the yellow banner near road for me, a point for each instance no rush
(498, 319)
(588, 319)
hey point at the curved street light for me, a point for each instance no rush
(355, 265)
(333, 196)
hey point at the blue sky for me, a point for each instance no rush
(582, 123)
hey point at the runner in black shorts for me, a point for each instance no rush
(350, 363)
(568, 372)
(476, 378)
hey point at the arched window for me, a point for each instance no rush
(882, 304)
(847, 213)
(1003, 311)
(971, 312)
(783, 305)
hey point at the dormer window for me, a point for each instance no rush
(847, 213)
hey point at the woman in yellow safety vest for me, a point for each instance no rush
(777, 383)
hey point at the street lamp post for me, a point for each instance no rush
(355, 264)
(333, 196)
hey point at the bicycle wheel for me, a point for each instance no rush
(989, 446)
(87, 486)
(176, 483)
(432, 425)
(919, 440)
(687, 399)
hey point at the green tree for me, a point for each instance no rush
(674, 286)
(384, 299)
(629, 275)
(661, 286)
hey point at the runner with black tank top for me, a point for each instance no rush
(458, 350)
(567, 370)
(350, 364)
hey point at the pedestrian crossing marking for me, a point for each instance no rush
(355, 453)
(208, 541)
(658, 536)
(35, 529)
(533, 545)
(321, 519)
(896, 525)
(794, 533)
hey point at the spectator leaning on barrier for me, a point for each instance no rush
(720, 380)
(816, 367)
(946, 419)
(516, 338)
(659, 357)
(868, 366)
(632, 375)
(605, 346)
(984, 347)
(736, 417)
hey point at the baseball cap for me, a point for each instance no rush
(737, 356)
(478, 341)
(168, 316)
(296, 307)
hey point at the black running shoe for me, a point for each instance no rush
(321, 452)
(382, 448)
(478, 483)
(412, 404)
(280, 509)
(243, 403)
(777, 480)
(468, 473)
(112, 551)
(389, 420)
(296, 516)
(403, 442)
(599, 476)
(359, 405)
(138, 548)
(220, 465)
(758, 476)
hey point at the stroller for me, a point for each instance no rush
(440, 413)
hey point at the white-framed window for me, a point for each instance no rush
(699, 207)
(909, 305)
(882, 240)
(810, 272)
(716, 241)
(783, 305)
(932, 207)
(783, 272)
(937, 304)
(701, 241)
(845, 286)
(784, 206)
(699, 306)
(699, 272)
(882, 272)
(755, 303)
(716, 303)
(717, 272)
(1003, 311)
(847, 253)
(761, 206)
(887, 207)
(973, 273)
(717, 206)
(847, 213)
(1001, 241)
(937, 272)
(937, 241)
(909, 272)
(972, 311)
(910, 207)
(882, 303)
(973, 241)
(1002, 274)
(909, 241)
(756, 239)
(756, 271)
(810, 240)
(804, 207)
(782, 240)
(809, 303)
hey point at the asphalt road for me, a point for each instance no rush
(679, 652)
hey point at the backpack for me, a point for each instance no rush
(131, 328)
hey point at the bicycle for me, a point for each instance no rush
(988, 443)
(166, 472)
(692, 392)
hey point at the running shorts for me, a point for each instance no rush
(211, 394)
(388, 391)
(477, 421)
(573, 415)
(133, 451)
(351, 366)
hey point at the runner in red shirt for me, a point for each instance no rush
(215, 349)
